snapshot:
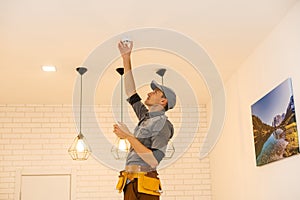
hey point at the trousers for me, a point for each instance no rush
(131, 192)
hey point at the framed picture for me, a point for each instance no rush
(274, 125)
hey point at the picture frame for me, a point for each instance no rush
(274, 125)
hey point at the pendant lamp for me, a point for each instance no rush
(80, 150)
(170, 147)
(121, 147)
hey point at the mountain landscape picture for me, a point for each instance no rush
(274, 125)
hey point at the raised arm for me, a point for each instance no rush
(125, 51)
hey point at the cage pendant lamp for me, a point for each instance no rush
(80, 150)
(170, 147)
(121, 147)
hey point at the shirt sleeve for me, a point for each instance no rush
(138, 107)
(160, 141)
(158, 154)
(133, 99)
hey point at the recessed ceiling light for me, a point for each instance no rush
(49, 68)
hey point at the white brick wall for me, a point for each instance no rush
(37, 137)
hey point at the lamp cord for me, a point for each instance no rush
(80, 104)
(122, 98)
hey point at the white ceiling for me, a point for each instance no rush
(64, 32)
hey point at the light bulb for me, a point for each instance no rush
(123, 145)
(80, 146)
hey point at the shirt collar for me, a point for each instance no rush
(155, 113)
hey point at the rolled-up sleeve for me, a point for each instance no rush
(133, 99)
(160, 141)
(138, 107)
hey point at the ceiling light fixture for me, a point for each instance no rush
(49, 68)
(121, 147)
(80, 150)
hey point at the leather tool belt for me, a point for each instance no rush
(146, 184)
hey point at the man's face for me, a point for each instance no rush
(155, 98)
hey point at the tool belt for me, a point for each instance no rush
(146, 184)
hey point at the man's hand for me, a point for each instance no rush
(122, 131)
(125, 49)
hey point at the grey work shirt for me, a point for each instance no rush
(153, 130)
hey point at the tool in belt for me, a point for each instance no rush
(146, 184)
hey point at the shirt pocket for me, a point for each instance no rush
(143, 133)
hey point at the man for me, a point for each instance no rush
(150, 138)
